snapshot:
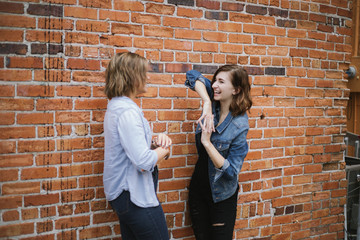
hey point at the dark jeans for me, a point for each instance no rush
(212, 221)
(138, 223)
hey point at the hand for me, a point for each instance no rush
(207, 129)
(208, 124)
(162, 140)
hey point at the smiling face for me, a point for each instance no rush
(223, 87)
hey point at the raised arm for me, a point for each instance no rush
(195, 81)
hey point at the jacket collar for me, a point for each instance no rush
(224, 124)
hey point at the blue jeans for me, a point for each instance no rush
(137, 223)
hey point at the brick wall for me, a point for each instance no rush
(53, 54)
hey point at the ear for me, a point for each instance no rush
(236, 91)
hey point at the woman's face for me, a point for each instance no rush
(223, 87)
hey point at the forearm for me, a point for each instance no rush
(162, 153)
(201, 90)
(214, 155)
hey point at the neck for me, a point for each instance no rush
(132, 96)
(224, 108)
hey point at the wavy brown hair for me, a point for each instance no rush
(240, 80)
(125, 73)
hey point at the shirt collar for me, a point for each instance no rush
(224, 124)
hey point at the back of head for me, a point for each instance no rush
(125, 73)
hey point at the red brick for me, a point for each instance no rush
(20, 188)
(7, 91)
(44, 36)
(17, 21)
(35, 118)
(91, 104)
(16, 229)
(171, 185)
(35, 173)
(16, 160)
(36, 146)
(189, 12)
(12, 215)
(17, 104)
(173, 207)
(37, 200)
(71, 222)
(92, 26)
(73, 63)
(77, 195)
(52, 75)
(15, 75)
(72, 117)
(75, 170)
(10, 35)
(72, 144)
(204, 25)
(59, 184)
(95, 232)
(8, 175)
(35, 91)
(17, 132)
(84, 38)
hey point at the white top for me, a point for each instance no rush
(129, 161)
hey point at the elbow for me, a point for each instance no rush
(147, 161)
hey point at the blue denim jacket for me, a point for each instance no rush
(229, 139)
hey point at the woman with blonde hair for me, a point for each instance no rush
(130, 172)
(221, 143)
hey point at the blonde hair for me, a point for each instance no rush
(241, 101)
(125, 73)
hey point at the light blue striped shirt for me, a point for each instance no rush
(129, 161)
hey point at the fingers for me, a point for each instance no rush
(163, 140)
(201, 118)
(209, 124)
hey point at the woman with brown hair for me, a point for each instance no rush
(221, 143)
(130, 172)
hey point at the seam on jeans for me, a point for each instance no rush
(126, 207)
(153, 221)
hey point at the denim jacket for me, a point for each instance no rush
(229, 139)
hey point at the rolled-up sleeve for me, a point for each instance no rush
(133, 139)
(192, 76)
(220, 171)
(235, 159)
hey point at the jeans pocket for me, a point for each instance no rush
(121, 203)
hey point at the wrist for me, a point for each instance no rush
(207, 101)
(206, 144)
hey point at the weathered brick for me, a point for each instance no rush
(182, 2)
(16, 229)
(19, 49)
(45, 10)
(256, 10)
(223, 16)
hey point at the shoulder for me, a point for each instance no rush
(122, 104)
(241, 121)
